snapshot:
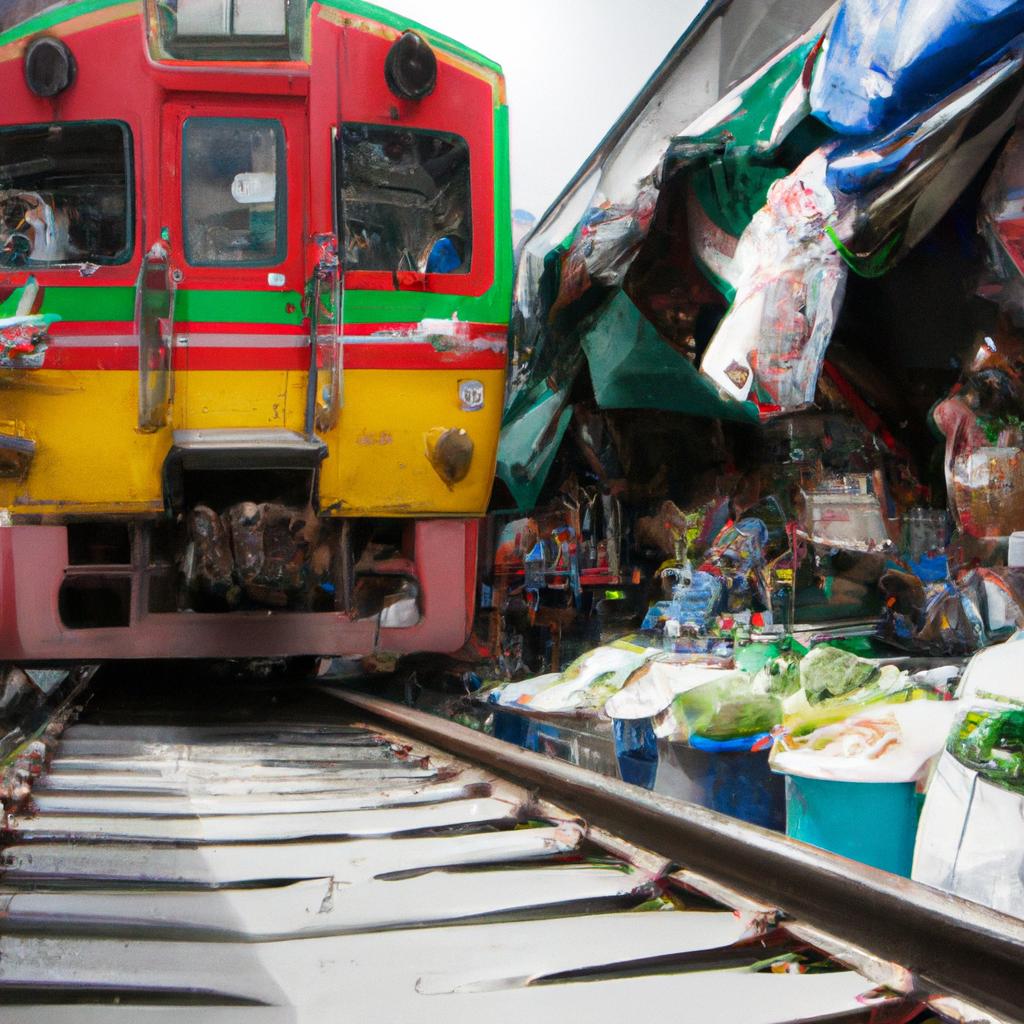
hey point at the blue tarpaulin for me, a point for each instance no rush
(885, 60)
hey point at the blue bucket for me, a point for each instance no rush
(727, 776)
(510, 727)
(636, 750)
(872, 822)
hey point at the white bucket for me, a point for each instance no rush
(1015, 557)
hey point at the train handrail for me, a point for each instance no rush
(326, 340)
(154, 329)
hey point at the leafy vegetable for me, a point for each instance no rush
(992, 743)
(829, 672)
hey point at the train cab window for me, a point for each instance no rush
(404, 199)
(233, 183)
(65, 194)
(232, 30)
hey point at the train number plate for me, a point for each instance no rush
(471, 395)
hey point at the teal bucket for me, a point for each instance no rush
(873, 822)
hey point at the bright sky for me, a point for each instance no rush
(572, 66)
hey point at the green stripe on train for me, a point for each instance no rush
(56, 16)
(87, 304)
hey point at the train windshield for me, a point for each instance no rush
(233, 181)
(404, 198)
(65, 194)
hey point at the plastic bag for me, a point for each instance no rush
(780, 675)
(739, 548)
(970, 839)
(725, 708)
(24, 337)
(831, 672)
(587, 683)
(981, 420)
(925, 536)
(209, 565)
(990, 741)
(272, 544)
(790, 286)
(653, 687)
(971, 835)
(737, 555)
(1003, 599)
(609, 236)
(841, 514)
(988, 488)
(696, 599)
(934, 618)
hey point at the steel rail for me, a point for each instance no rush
(449, 905)
(949, 944)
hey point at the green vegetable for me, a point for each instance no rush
(992, 743)
(795, 963)
(829, 672)
(727, 709)
(780, 676)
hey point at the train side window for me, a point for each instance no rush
(233, 191)
(404, 199)
(66, 194)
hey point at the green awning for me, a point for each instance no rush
(528, 447)
(632, 368)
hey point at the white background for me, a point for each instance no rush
(572, 66)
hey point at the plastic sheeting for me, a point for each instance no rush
(651, 689)
(834, 145)
(865, 204)
(632, 368)
(587, 242)
(885, 59)
(893, 189)
(890, 743)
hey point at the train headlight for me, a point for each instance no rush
(450, 453)
(49, 66)
(411, 67)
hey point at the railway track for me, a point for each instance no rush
(329, 856)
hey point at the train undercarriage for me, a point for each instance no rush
(259, 580)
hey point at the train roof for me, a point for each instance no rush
(20, 18)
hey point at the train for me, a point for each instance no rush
(255, 281)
